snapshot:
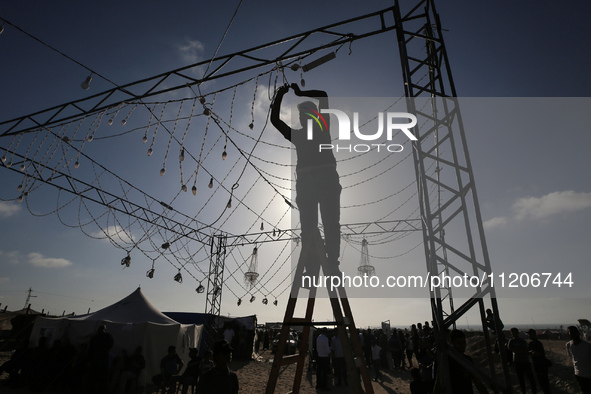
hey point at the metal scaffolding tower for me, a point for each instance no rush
(447, 196)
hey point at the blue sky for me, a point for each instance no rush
(529, 167)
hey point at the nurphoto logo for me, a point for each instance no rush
(394, 121)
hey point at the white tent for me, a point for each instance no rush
(132, 322)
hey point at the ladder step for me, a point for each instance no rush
(294, 358)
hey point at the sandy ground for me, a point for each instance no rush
(253, 375)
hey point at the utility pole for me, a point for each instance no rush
(29, 296)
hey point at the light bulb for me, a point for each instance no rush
(145, 139)
(111, 122)
(295, 67)
(86, 84)
(265, 301)
(77, 164)
(126, 261)
(22, 168)
(210, 183)
(178, 277)
(251, 126)
(1, 29)
(150, 152)
(182, 155)
(165, 245)
(303, 83)
(252, 298)
(90, 138)
(202, 99)
(3, 159)
(123, 122)
(150, 273)
(275, 303)
(224, 155)
(273, 232)
(162, 171)
(9, 164)
(229, 203)
(20, 198)
(194, 190)
(200, 289)
(206, 112)
(184, 188)
(239, 301)
(19, 187)
(262, 227)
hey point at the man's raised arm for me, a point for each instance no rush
(276, 111)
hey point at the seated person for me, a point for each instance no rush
(170, 365)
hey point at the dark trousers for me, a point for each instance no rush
(541, 371)
(340, 370)
(320, 188)
(322, 370)
(524, 370)
(584, 384)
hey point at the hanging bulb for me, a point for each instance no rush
(274, 233)
(295, 67)
(162, 171)
(150, 273)
(224, 154)
(1, 29)
(145, 139)
(165, 245)
(123, 122)
(3, 159)
(89, 139)
(111, 122)
(150, 152)
(20, 198)
(184, 188)
(303, 83)
(239, 301)
(19, 187)
(22, 168)
(275, 302)
(202, 99)
(262, 227)
(77, 164)
(9, 164)
(126, 261)
(265, 301)
(252, 298)
(206, 112)
(251, 126)
(86, 84)
(210, 183)
(178, 277)
(182, 155)
(194, 190)
(229, 205)
(200, 289)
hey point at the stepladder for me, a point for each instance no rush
(311, 261)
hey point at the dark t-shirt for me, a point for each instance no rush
(461, 378)
(215, 381)
(309, 154)
(519, 348)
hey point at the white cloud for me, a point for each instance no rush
(556, 203)
(191, 51)
(8, 209)
(10, 257)
(116, 233)
(38, 260)
(495, 222)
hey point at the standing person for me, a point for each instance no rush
(131, 371)
(375, 360)
(98, 358)
(521, 361)
(317, 183)
(539, 360)
(340, 371)
(580, 352)
(323, 363)
(462, 379)
(220, 379)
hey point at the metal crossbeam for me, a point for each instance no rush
(283, 50)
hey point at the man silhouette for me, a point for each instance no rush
(317, 183)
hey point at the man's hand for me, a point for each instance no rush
(283, 89)
(296, 89)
